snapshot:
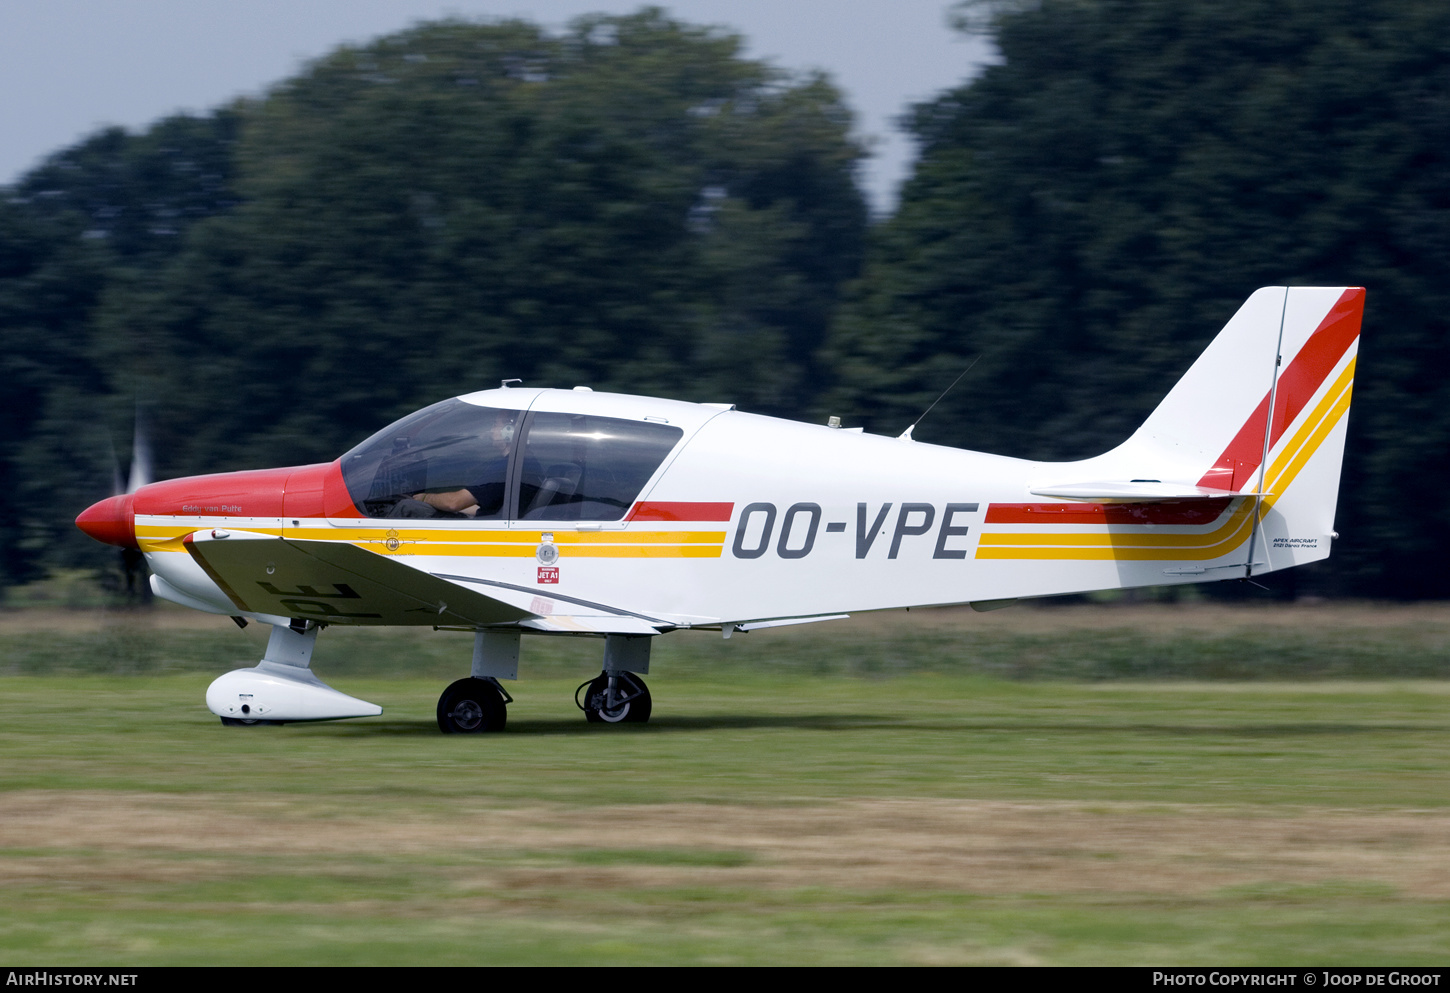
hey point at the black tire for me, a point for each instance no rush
(635, 710)
(471, 706)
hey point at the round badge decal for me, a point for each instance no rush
(548, 555)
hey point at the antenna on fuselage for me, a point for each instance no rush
(504, 383)
(906, 435)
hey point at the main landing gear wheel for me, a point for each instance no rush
(631, 703)
(471, 706)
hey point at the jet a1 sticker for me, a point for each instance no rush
(548, 574)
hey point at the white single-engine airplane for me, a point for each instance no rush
(570, 512)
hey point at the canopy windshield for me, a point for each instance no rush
(457, 460)
(442, 451)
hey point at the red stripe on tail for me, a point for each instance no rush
(1298, 383)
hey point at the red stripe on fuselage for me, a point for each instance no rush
(1187, 512)
(318, 491)
(666, 511)
(294, 491)
(251, 493)
(1297, 385)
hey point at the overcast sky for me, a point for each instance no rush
(68, 67)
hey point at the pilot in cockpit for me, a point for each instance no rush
(484, 498)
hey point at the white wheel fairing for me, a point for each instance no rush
(274, 692)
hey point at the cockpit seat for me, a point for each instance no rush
(561, 481)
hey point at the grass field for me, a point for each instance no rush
(1150, 785)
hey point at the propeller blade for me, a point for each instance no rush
(140, 455)
(134, 572)
(118, 485)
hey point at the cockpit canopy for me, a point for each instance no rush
(494, 464)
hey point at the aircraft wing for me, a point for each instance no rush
(337, 583)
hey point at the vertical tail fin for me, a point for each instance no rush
(1263, 411)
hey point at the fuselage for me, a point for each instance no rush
(744, 518)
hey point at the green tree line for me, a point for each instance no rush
(1089, 211)
(633, 205)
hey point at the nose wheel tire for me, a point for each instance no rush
(631, 703)
(471, 706)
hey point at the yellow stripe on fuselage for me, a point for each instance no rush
(1126, 539)
(1139, 545)
(461, 541)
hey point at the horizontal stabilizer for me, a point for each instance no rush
(1134, 490)
(336, 583)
